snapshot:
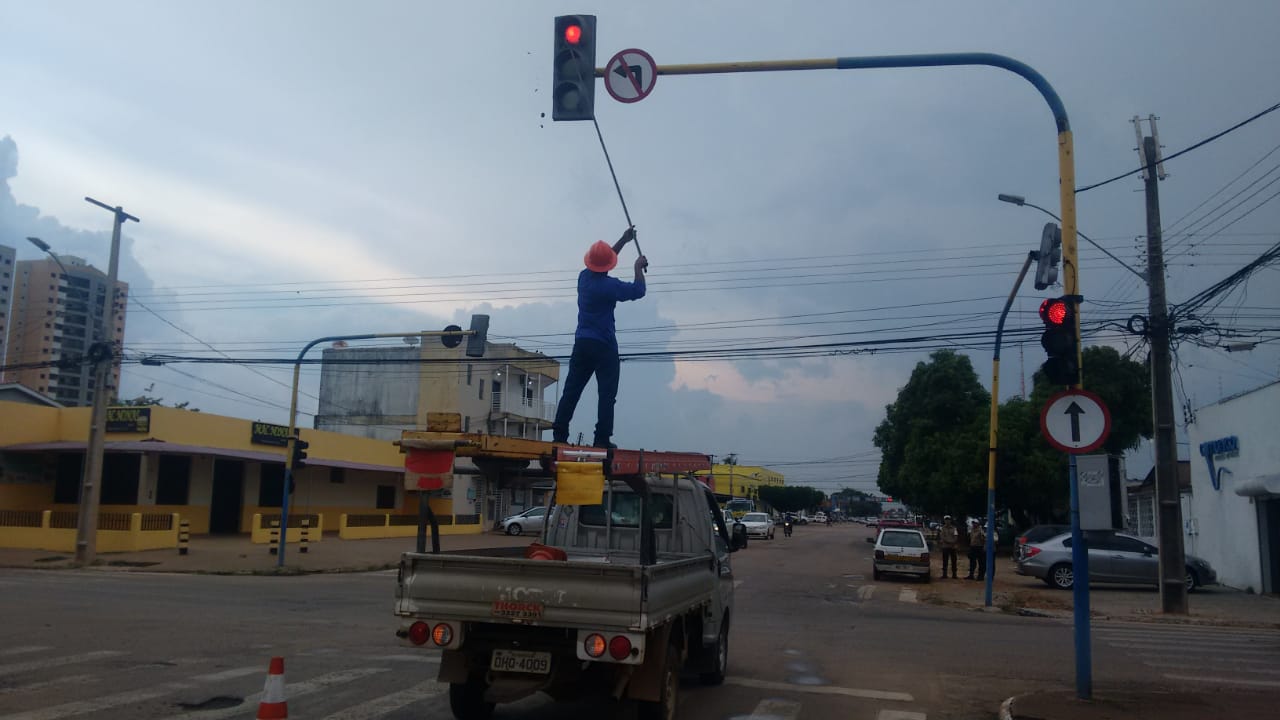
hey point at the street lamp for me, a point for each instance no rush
(1021, 201)
(102, 356)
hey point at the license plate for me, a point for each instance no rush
(521, 661)
(903, 559)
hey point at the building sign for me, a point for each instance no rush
(268, 434)
(128, 419)
(1216, 449)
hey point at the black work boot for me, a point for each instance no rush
(603, 444)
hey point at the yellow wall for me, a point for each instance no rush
(23, 423)
(64, 539)
(742, 479)
(393, 531)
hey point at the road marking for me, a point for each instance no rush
(106, 702)
(24, 649)
(817, 689)
(907, 595)
(900, 715)
(228, 674)
(1186, 641)
(1213, 661)
(68, 680)
(866, 591)
(736, 583)
(1183, 647)
(291, 691)
(387, 703)
(14, 668)
(1225, 681)
(775, 709)
(1150, 629)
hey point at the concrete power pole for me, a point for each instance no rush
(1173, 590)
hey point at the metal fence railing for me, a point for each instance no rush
(113, 521)
(295, 521)
(64, 519)
(157, 521)
(21, 518)
(377, 520)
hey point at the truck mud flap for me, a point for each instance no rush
(646, 680)
(453, 667)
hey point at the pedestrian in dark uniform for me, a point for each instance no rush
(948, 537)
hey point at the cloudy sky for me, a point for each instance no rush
(314, 168)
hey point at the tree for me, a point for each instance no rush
(791, 498)
(145, 400)
(1031, 477)
(933, 438)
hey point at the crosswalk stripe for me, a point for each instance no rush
(1224, 681)
(866, 591)
(291, 691)
(106, 702)
(1199, 638)
(380, 706)
(24, 649)
(818, 689)
(1184, 646)
(1203, 663)
(228, 674)
(1150, 629)
(900, 715)
(68, 680)
(14, 668)
(775, 709)
(907, 595)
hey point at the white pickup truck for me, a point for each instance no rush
(620, 600)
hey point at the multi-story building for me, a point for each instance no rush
(55, 314)
(7, 257)
(378, 392)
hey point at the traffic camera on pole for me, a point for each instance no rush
(573, 79)
(1049, 255)
(1059, 341)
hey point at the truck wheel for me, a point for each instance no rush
(664, 708)
(466, 700)
(716, 675)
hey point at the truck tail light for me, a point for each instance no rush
(620, 647)
(879, 554)
(595, 645)
(1029, 551)
(924, 557)
(442, 634)
(419, 632)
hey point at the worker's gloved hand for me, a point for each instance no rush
(628, 235)
(642, 264)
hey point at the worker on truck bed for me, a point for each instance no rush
(595, 347)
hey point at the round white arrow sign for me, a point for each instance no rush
(1075, 421)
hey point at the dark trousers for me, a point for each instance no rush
(590, 357)
(978, 559)
(948, 553)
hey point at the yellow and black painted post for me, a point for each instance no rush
(184, 536)
(302, 541)
(274, 546)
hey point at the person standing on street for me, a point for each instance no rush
(595, 346)
(977, 551)
(948, 536)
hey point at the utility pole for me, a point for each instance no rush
(102, 354)
(1173, 590)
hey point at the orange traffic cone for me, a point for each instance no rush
(273, 705)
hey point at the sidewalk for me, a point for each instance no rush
(237, 555)
(1017, 594)
(1131, 704)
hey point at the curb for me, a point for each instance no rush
(1006, 708)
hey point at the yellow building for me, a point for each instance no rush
(216, 472)
(741, 481)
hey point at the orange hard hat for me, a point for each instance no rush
(600, 257)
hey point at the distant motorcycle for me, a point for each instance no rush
(786, 528)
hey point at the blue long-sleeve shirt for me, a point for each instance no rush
(598, 294)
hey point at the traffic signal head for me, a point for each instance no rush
(573, 79)
(300, 452)
(1049, 255)
(476, 341)
(1059, 341)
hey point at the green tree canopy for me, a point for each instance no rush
(791, 498)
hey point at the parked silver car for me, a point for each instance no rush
(1113, 558)
(530, 520)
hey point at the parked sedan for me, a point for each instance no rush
(902, 551)
(1113, 558)
(1035, 535)
(758, 525)
(529, 520)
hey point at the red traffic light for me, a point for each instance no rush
(1055, 311)
(573, 34)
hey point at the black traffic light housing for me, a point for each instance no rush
(573, 78)
(1059, 340)
(1049, 255)
(299, 453)
(480, 334)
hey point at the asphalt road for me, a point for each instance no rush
(813, 638)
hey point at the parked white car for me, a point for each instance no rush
(758, 525)
(901, 551)
(530, 520)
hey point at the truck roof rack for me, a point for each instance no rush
(621, 462)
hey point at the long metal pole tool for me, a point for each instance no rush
(616, 186)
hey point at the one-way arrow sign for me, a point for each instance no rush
(1075, 421)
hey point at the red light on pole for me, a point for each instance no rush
(1054, 311)
(573, 34)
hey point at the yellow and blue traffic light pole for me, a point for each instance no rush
(1070, 268)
